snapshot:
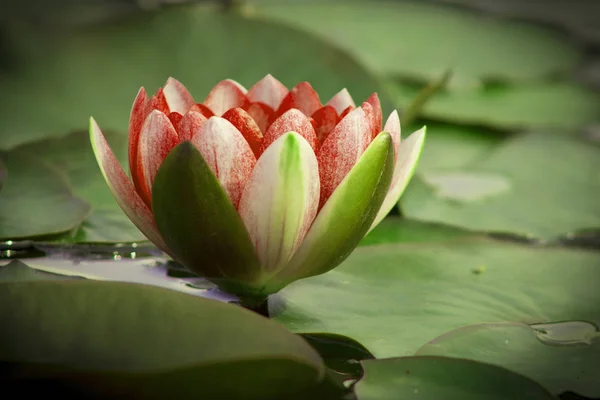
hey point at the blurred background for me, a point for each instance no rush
(513, 136)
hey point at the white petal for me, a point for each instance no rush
(122, 188)
(177, 96)
(341, 101)
(408, 158)
(280, 200)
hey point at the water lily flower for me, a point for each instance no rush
(254, 189)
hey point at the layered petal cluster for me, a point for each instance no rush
(256, 188)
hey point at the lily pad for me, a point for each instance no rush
(444, 378)
(141, 341)
(562, 356)
(36, 199)
(554, 106)
(17, 271)
(549, 187)
(99, 70)
(74, 156)
(396, 297)
(3, 173)
(466, 186)
(403, 38)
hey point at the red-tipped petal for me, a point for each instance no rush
(292, 121)
(303, 97)
(247, 127)
(157, 139)
(261, 114)
(175, 118)
(374, 113)
(325, 120)
(177, 96)
(202, 109)
(225, 95)
(341, 150)
(122, 189)
(158, 102)
(346, 112)
(227, 153)
(341, 101)
(392, 126)
(189, 125)
(136, 120)
(268, 91)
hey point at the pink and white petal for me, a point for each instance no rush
(247, 127)
(281, 199)
(291, 121)
(376, 116)
(122, 189)
(177, 96)
(189, 125)
(227, 153)
(303, 97)
(268, 91)
(261, 114)
(225, 95)
(408, 158)
(341, 150)
(392, 126)
(136, 120)
(157, 139)
(325, 119)
(341, 101)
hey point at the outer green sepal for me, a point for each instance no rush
(347, 215)
(199, 223)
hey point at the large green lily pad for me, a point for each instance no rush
(453, 146)
(562, 356)
(396, 297)
(444, 378)
(99, 70)
(536, 184)
(552, 106)
(74, 156)
(403, 38)
(36, 199)
(129, 340)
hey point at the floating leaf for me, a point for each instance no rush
(466, 186)
(36, 199)
(444, 378)
(395, 297)
(452, 147)
(3, 173)
(549, 185)
(16, 271)
(74, 156)
(475, 46)
(563, 356)
(127, 340)
(99, 70)
(526, 106)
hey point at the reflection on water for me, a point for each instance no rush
(134, 263)
(566, 333)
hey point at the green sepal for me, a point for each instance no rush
(346, 216)
(199, 223)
